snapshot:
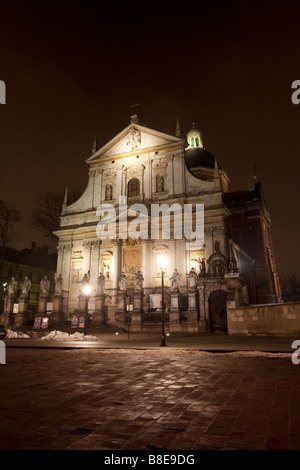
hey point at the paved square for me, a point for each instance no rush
(133, 399)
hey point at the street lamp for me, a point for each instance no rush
(162, 263)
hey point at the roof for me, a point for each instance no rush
(28, 257)
(244, 197)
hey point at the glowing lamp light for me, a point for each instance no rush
(86, 290)
(162, 262)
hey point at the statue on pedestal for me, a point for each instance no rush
(58, 284)
(232, 266)
(100, 284)
(122, 282)
(139, 280)
(25, 286)
(193, 278)
(86, 279)
(12, 287)
(217, 246)
(175, 280)
(45, 285)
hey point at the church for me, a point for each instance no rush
(231, 265)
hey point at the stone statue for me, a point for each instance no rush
(217, 246)
(12, 286)
(25, 286)
(175, 280)
(159, 183)
(192, 277)
(86, 278)
(139, 279)
(108, 193)
(218, 268)
(100, 284)
(122, 282)
(45, 285)
(201, 263)
(202, 267)
(58, 284)
(232, 266)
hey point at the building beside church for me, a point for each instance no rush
(234, 264)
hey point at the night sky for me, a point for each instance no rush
(72, 71)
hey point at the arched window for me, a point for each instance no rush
(133, 187)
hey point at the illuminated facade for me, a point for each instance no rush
(151, 167)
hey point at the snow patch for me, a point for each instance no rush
(64, 336)
(15, 334)
(281, 355)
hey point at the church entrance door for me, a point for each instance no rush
(217, 312)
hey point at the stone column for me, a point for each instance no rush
(115, 273)
(66, 274)
(202, 308)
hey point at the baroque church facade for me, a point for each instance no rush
(232, 267)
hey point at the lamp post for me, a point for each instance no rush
(162, 262)
(86, 291)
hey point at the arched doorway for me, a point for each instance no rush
(217, 312)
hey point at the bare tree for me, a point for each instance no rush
(9, 215)
(48, 211)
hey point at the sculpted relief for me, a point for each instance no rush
(134, 139)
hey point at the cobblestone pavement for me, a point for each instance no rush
(135, 399)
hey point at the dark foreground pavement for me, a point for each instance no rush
(140, 398)
(210, 342)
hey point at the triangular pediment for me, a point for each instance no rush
(134, 138)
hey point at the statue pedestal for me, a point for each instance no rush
(99, 316)
(121, 315)
(9, 304)
(83, 308)
(57, 315)
(137, 312)
(21, 317)
(83, 303)
(23, 303)
(175, 311)
(192, 315)
(42, 305)
(8, 311)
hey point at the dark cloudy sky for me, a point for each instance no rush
(72, 70)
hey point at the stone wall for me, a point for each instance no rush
(265, 320)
